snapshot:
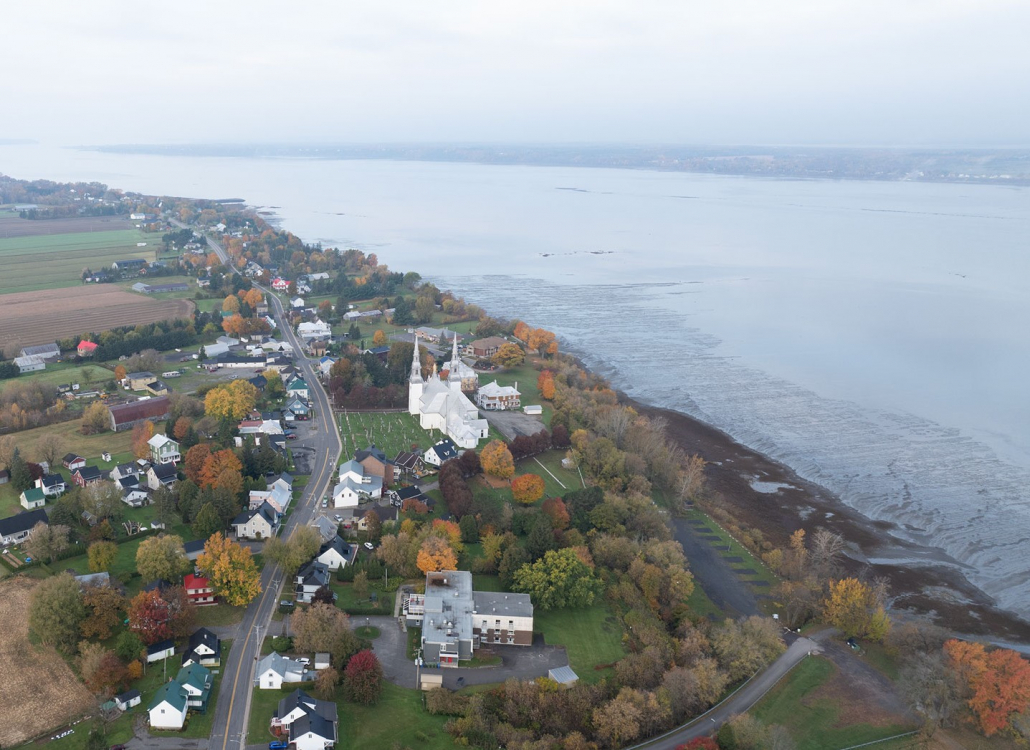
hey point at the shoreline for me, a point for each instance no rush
(924, 580)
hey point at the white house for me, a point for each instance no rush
(204, 648)
(493, 397)
(299, 704)
(260, 523)
(160, 650)
(168, 708)
(30, 364)
(274, 670)
(310, 579)
(32, 498)
(127, 700)
(325, 365)
(298, 389)
(51, 484)
(278, 497)
(312, 732)
(334, 554)
(355, 485)
(445, 450)
(16, 529)
(315, 329)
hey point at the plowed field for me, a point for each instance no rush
(42, 317)
(38, 691)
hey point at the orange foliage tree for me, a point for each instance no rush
(999, 681)
(141, 433)
(496, 460)
(436, 554)
(558, 512)
(182, 427)
(545, 383)
(450, 531)
(231, 304)
(254, 297)
(540, 339)
(216, 464)
(527, 489)
(521, 331)
(196, 457)
(231, 570)
(119, 372)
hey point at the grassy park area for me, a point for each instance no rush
(592, 636)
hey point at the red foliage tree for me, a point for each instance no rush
(363, 678)
(149, 617)
(196, 457)
(555, 508)
(700, 743)
(999, 681)
(560, 436)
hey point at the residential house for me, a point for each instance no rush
(158, 388)
(259, 523)
(121, 471)
(86, 348)
(197, 681)
(315, 329)
(51, 484)
(127, 416)
(384, 513)
(355, 486)
(84, 476)
(136, 495)
(73, 461)
(325, 364)
(164, 450)
(298, 704)
(410, 462)
(376, 464)
(283, 480)
(259, 382)
(494, 397)
(274, 670)
(160, 650)
(199, 591)
(297, 303)
(194, 549)
(169, 706)
(130, 265)
(298, 389)
(138, 381)
(161, 475)
(484, 348)
(278, 497)
(32, 498)
(313, 732)
(310, 579)
(16, 529)
(318, 348)
(326, 528)
(204, 647)
(128, 699)
(412, 493)
(445, 450)
(280, 284)
(44, 351)
(335, 553)
(296, 410)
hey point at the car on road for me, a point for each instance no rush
(369, 545)
(278, 745)
(338, 518)
(325, 502)
(291, 436)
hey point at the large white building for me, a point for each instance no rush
(442, 406)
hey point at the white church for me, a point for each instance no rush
(442, 406)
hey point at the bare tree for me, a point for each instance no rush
(692, 478)
(931, 690)
(612, 423)
(825, 553)
(50, 448)
(47, 542)
(7, 446)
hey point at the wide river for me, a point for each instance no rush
(874, 336)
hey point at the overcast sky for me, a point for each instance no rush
(879, 72)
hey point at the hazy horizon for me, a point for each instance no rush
(872, 74)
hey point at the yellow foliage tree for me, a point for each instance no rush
(852, 608)
(254, 298)
(119, 372)
(231, 570)
(379, 338)
(496, 460)
(232, 401)
(231, 304)
(436, 554)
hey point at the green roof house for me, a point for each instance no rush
(33, 498)
(196, 680)
(168, 708)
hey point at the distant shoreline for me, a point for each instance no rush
(1003, 166)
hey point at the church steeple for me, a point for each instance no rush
(453, 375)
(416, 366)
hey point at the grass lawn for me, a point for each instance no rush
(73, 441)
(263, 704)
(219, 614)
(591, 635)
(393, 432)
(552, 459)
(397, 718)
(9, 503)
(349, 602)
(702, 606)
(814, 722)
(89, 377)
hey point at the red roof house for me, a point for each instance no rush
(86, 348)
(199, 590)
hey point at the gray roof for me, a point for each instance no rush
(22, 522)
(298, 698)
(563, 675)
(496, 602)
(265, 510)
(448, 606)
(40, 349)
(338, 544)
(313, 574)
(316, 725)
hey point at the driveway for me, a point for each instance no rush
(521, 662)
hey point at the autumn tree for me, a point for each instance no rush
(253, 298)
(998, 682)
(231, 304)
(852, 607)
(325, 683)
(545, 384)
(119, 373)
(292, 553)
(96, 418)
(436, 554)
(232, 401)
(379, 338)
(46, 542)
(50, 449)
(496, 460)
(101, 556)
(231, 570)
(745, 646)
(521, 331)
(103, 500)
(540, 340)
(196, 457)
(508, 355)
(104, 607)
(162, 558)
(559, 579)
(182, 428)
(363, 678)
(217, 463)
(141, 433)
(149, 617)
(56, 612)
(527, 489)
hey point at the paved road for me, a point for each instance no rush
(739, 702)
(232, 712)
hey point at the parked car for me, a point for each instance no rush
(369, 545)
(278, 745)
(338, 518)
(304, 660)
(325, 502)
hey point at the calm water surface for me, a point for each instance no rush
(873, 336)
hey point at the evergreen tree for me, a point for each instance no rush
(21, 477)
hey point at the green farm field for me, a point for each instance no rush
(52, 261)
